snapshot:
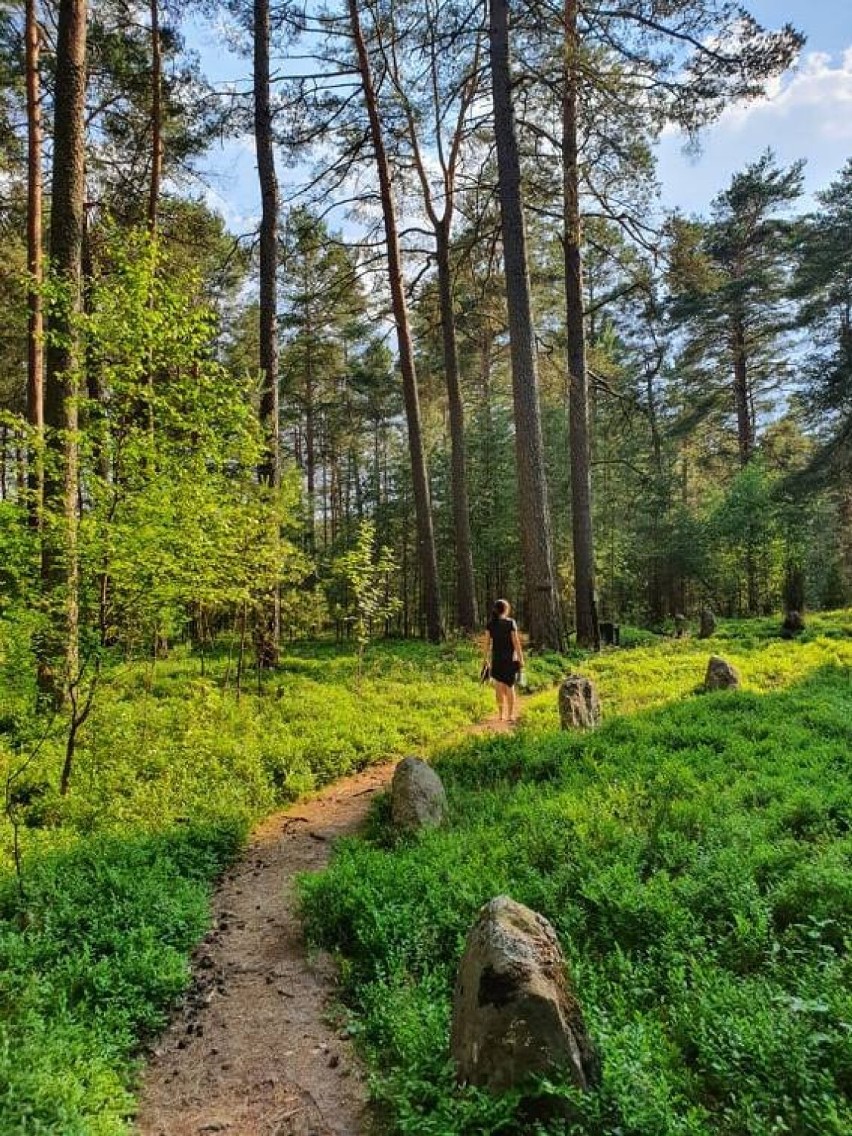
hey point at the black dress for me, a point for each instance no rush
(503, 666)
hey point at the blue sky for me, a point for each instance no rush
(808, 114)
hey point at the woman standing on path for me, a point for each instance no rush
(503, 644)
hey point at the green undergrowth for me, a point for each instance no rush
(171, 769)
(695, 857)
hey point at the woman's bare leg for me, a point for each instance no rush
(501, 690)
(512, 700)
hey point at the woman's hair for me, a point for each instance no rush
(501, 607)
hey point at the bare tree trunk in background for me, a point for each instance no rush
(59, 545)
(588, 634)
(35, 322)
(427, 554)
(745, 445)
(542, 609)
(466, 613)
(156, 118)
(270, 471)
(448, 157)
(310, 434)
(745, 426)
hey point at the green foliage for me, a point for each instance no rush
(364, 572)
(90, 961)
(176, 521)
(171, 769)
(694, 855)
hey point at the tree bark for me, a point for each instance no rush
(156, 118)
(542, 609)
(466, 612)
(270, 470)
(427, 554)
(35, 317)
(59, 547)
(745, 426)
(588, 634)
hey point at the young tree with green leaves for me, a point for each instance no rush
(363, 572)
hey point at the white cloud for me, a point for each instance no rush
(806, 114)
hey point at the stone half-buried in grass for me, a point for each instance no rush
(707, 625)
(579, 704)
(720, 675)
(418, 798)
(515, 1015)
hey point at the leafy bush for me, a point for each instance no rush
(91, 957)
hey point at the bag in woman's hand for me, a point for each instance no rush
(485, 672)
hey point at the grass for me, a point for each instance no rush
(117, 876)
(694, 856)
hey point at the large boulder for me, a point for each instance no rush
(720, 675)
(418, 798)
(707, 628)
(579, 705)
(514, 1012)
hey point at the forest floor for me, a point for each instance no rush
(255, 1048)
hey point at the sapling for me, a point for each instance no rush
(363, 571)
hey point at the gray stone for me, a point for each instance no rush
(720, 675)
(418, 798)
(579, 705)
(514, 1012)
(708, 624)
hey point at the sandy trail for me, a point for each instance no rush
(253, 1050)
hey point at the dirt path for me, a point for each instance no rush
(253, 1051)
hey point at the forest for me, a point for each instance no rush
(260, 490)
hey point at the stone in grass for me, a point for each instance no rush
(793, 625)
(579, 704)
(720, 675)
(418, 798)
(707, 628)
(514, 1012)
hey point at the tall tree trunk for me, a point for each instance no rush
(745, 445)
(156, 118)
(59, 545)
(310, 435)
(35, 319)
(542, 609)
(466, 613)
(427, 554)
(588, 634)
(745, 425)
(270, 471)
